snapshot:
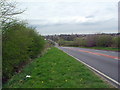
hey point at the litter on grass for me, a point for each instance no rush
(28, 76)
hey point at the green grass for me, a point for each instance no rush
(103, 48)
(56, 70)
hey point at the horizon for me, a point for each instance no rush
(78, 34)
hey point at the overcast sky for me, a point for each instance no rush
(71, 16)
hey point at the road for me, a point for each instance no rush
(104, 62)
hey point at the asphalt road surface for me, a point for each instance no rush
(105, 62)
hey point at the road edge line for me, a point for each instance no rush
(93, 68)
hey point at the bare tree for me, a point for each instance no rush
(8, 10)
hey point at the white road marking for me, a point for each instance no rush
(116, 82)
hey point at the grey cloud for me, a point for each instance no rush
(90, 16)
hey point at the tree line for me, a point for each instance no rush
(93, 41)
(88, 40)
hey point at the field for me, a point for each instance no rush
(56, 70)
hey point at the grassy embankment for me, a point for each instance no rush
(56, 70)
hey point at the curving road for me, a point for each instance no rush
(106, 63)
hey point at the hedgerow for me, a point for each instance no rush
(20, 44)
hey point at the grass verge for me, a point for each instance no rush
(56, 69)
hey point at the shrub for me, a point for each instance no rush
(91, 40)
(80, 42)
(116, 41)
(20, 44)
(103, 41)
